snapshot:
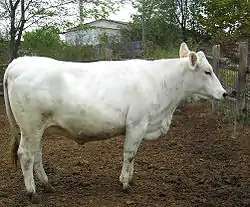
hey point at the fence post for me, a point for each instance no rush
(248, 57)
(241, 110)
(216, 65)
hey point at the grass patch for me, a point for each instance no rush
(161, 53)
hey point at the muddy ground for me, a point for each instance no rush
(199, 163)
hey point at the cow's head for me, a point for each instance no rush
(201, 78)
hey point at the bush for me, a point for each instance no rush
(46, 42)
(75, 53)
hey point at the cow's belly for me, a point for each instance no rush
(84, 130)
(82, 137)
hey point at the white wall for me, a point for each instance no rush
(90, 36)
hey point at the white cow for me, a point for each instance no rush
(95, 101)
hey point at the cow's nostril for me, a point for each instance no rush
(224, 95)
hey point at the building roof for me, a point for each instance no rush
(108, 20)
(89, 24)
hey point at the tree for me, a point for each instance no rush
(225, 18)
(97, 8)
(174, 13)
(24, 14)
(43, 42)
(182, 13)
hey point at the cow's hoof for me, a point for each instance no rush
(48, 188)
(127, 189)
(132, 181)
(34, 198)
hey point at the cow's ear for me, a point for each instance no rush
(184, 51)
(193, 60)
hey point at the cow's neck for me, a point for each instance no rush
(174, 86)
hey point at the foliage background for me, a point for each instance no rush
(159, 25)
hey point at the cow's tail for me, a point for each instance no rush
(15, 138)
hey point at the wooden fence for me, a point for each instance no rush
(239, 92)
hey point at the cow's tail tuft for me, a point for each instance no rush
(15, 139)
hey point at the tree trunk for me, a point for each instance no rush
(80, 11)
(184, 33)
(15, 32)
(11, 49)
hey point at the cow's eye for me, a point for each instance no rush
(207, 72)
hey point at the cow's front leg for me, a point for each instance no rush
(127, 172)
(134, 136)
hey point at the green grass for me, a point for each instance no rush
(161, 53)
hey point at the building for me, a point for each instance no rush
(89, 33)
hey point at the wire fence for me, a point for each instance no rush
(228, 75)
(228, 78)
(231, 66)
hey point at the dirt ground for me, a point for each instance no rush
(199, 163)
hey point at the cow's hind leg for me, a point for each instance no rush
(29, 146)
(134, 136)
(40, 172)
